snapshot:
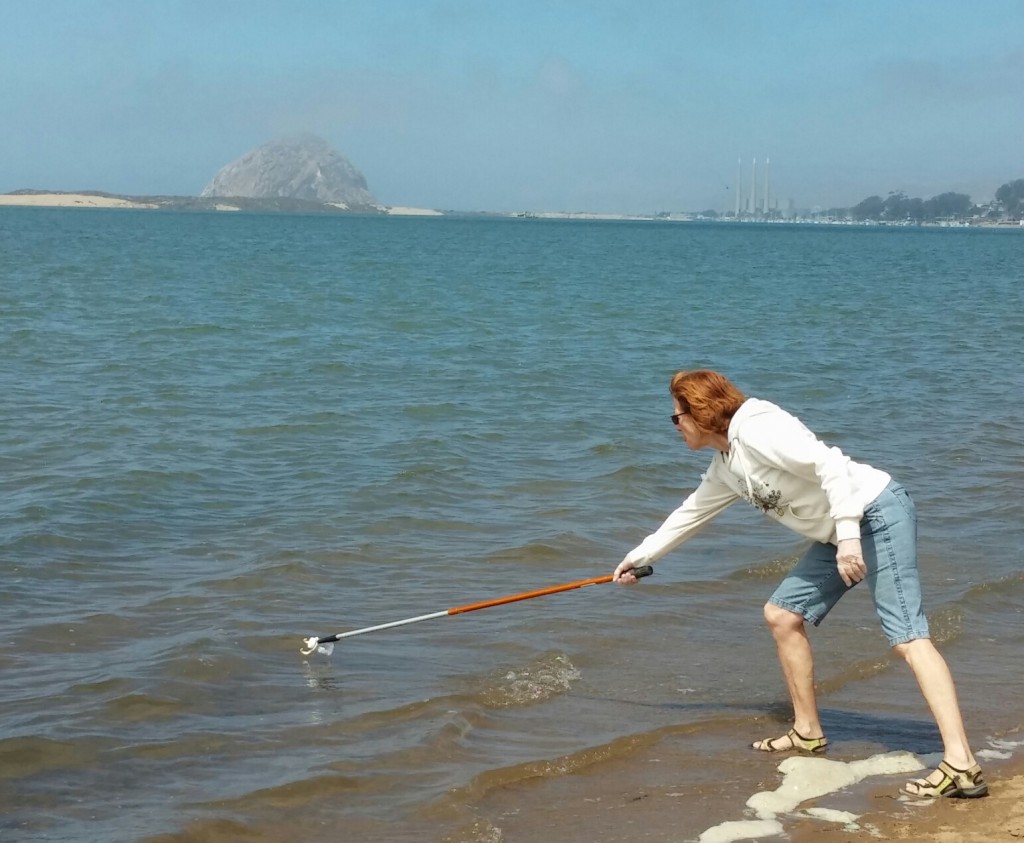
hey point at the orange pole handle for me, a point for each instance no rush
(643, 571)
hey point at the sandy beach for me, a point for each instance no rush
(57, 199)
(998, 817)
(843, 814)
(69, 200)
(405, 211)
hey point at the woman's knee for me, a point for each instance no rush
(909, 649)
(782, 620)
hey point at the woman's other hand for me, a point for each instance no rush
(850, 561)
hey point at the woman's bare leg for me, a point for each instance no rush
(936, 683)
(797, 661)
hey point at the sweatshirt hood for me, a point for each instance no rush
(749, 409)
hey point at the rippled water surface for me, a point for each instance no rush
(222, 433)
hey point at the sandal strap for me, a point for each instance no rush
(969, 777)
(770, 743)
(954, 781)
(797, 741)
(808, 744)
(946, 783)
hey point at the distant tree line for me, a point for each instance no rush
(897, 206)
(1011, 197)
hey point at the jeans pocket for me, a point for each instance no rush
(905, 501)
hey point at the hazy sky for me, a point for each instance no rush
(632, 106)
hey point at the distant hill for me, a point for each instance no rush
(305, 169)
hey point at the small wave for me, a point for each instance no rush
(92, 633)
(209, 831)
(478, 831)
(449, 719)
(293, 572)
(443, 410)
(27, 756)
(284, 429)
(503, 777)
(767, 570)
(331, 367)
(946, 624)
(197, 330)
(110, 686)
(540, 487)
(859, 670)
(549, 676)
(144, 708)
(294, 794)
(1003, 586)
(428, 472)
(1001, 748)
(537, 552)
(194, 663)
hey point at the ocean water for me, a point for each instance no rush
(220, 434)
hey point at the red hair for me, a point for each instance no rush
(710, 398)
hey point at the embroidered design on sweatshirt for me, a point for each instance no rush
(765, 499)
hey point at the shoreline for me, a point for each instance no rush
(69, 200)
(90, 199)
(805, 798)
(996, 817)
(871, 809)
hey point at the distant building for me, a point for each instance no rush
(749, 204)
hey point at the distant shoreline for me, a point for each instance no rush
(70, 200)
(97, 199)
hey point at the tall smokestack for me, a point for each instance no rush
(764, 200)
(739, 186)
(753, 187)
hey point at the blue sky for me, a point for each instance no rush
(634, 106)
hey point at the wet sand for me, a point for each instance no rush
(670, 791)
(998, 817)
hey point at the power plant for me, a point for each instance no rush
(751, 205)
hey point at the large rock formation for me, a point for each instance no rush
(303, 168)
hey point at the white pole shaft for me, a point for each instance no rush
(431, 616)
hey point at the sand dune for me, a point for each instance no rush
(69, 200)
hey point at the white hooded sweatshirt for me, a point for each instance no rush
(779, 466)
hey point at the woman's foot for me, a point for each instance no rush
(947, 780)
(792, 740)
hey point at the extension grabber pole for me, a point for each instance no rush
(311, 643)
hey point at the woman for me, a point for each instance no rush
(864, 528)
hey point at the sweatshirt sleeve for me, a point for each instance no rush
(784, 441)
(704, 503)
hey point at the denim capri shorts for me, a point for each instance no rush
(888, 534)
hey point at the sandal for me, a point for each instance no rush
(958, 784)
(796, 741)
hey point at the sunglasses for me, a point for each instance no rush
(676, 417)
